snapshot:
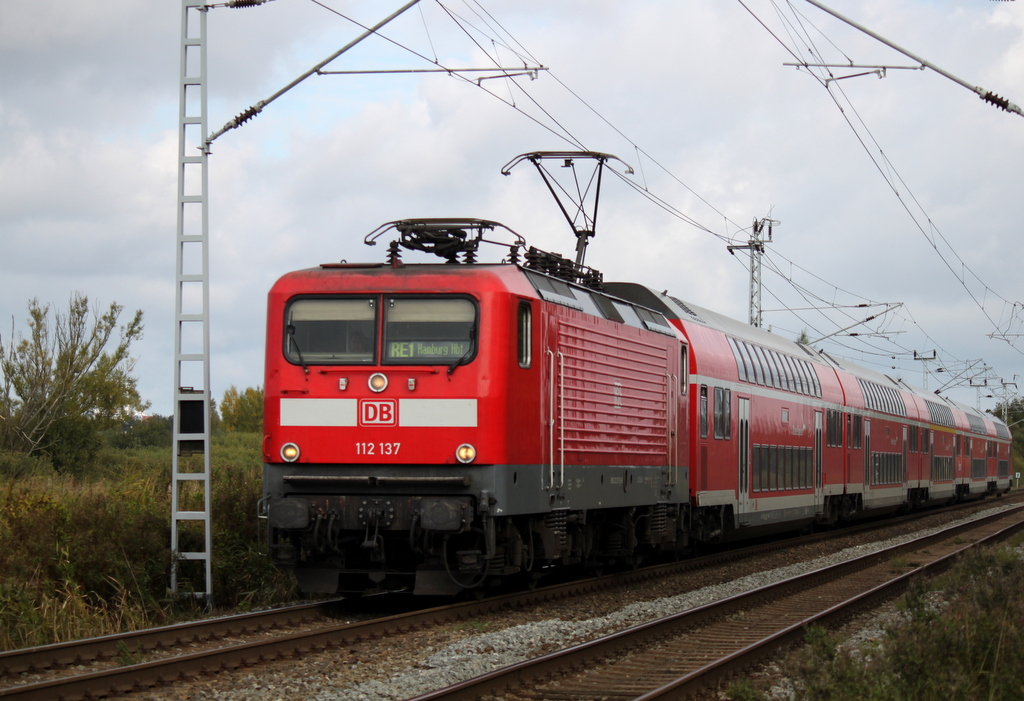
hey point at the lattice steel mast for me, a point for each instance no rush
(190, 482)
(756, 247)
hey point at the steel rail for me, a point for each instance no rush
(721, 670)
(97, 684)
(110, 646)
(584, 655)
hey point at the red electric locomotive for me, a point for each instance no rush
(447, 426)
(439, 427)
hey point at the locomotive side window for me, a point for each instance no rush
(335, 330)
(429, 331)
(654, 321)
(607, 308)
(524, 334)
(628, 314)
(684, 370)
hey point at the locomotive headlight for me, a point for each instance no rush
(378, 382)
(465, 453)
(289, 452)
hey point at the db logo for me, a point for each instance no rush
(378, 412)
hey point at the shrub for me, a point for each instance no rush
(96, 546)
(968, 648)
(149, 432)
(243, 574)
(16, 466)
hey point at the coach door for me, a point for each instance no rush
(904, 470)
(743, 506)
(867, 461)
(818, 486)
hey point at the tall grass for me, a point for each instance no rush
(90, 554)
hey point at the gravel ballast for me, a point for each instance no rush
(422, 661)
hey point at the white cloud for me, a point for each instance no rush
(88, 105)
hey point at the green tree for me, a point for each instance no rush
(142, 432)
(242, 412)
(61, 384)
(1012, 412)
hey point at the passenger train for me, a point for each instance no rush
(448, 426)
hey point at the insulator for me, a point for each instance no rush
(1000, 102)
(246, 116)
(245, 3)
(394, 255)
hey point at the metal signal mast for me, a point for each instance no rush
(756, 247)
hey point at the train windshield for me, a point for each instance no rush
(429, 331)
(332, 331)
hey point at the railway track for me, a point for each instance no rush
(269, 644)
(679, 656)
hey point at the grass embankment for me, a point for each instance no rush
(89, 554)
(961, 637)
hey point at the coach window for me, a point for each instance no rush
(741, 367)
(787, 363)
(723, 413)
(803, 379)
(340, 331)
(770, 380)
(703, 411)
(754, 371)
(524, 333)
(429, 331)
(776, 368)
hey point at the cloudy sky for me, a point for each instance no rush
(897, 190)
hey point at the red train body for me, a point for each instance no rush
(440, 427)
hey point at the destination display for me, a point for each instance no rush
(427, 350)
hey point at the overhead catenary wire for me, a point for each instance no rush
(896, 183)
(885, 167)
(486, 25)
(986, 95)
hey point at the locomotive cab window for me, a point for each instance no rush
(331, 331)
(429, 331)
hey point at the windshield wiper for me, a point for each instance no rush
(472, 333)
(291, 335)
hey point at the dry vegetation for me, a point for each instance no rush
(88, 553)
(960, 637)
